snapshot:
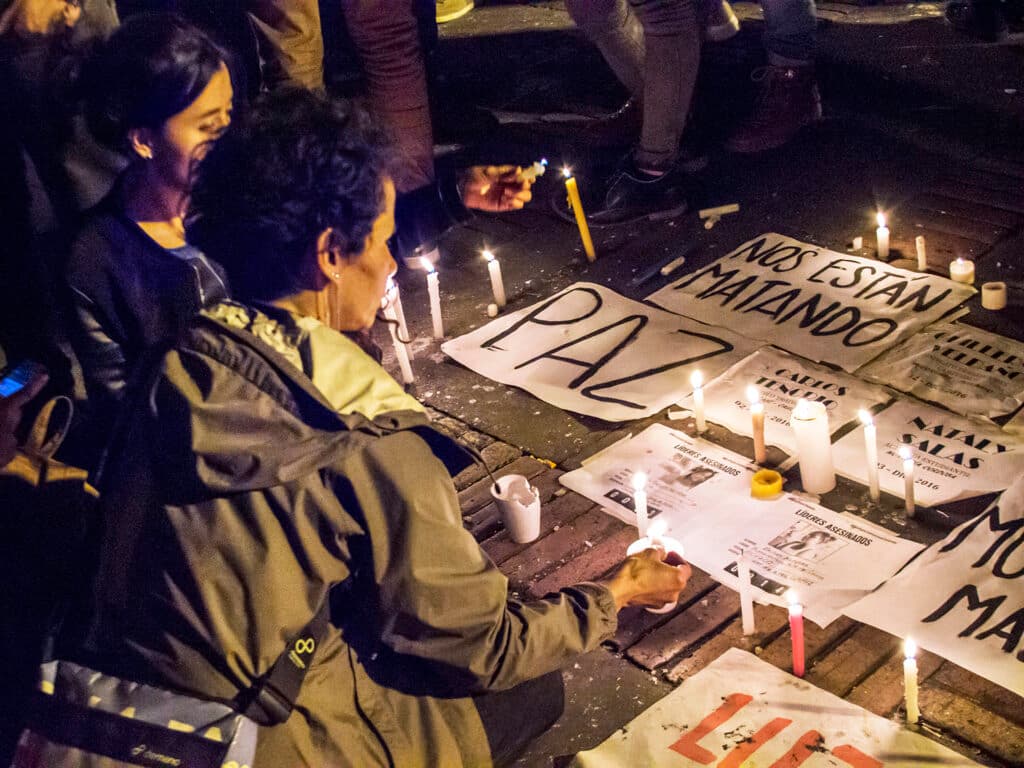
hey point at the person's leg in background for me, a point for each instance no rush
(291, 45)
(788, 95)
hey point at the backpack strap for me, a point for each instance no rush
(271, 698)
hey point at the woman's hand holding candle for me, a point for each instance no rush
(495, 188)
(648, 579)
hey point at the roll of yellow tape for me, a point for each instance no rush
(765, 484)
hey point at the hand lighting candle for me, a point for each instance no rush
(640, 502)
(814, 446)
(922, 253)
(757, 423)
(697, 382)
(656, 538)
(391, 313)
(497, 284)
(581, 219)
(434, 289)
(882, 237)
(796, 631)
(746, 598)
(871, 449)
(907, 454)
(910, 681)
(961, 271)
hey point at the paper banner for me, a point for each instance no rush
(782, 379)
(588, 349)
(968, 370)
(826, 306)
(955, 457)
(702, 493)
(740, 710)
(963, 598)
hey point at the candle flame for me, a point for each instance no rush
(906, 453)
(792, 599)
(427, 264)
(960, 261)
(880, 218)
(865, 417)
(909, 648)
(566, 172)
(753, 394)
(488, 255)
(544, 162)
(639, 481)
(696, 379)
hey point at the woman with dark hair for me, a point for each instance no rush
(272, 467)
(160, 92)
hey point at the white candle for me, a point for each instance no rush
(401, 353)
(394, 294)
(882, 237)
(434, 289)
(640, 502)
(871, 449)
(746, 598)
(961, 271)
(922, 253)
(993, 295)
(908, 479)
(535, 171)
(814, 446)
(697, 382)
(497, 285)
(757, 423)
(910, 681)
(858, 243)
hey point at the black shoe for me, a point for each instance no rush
(634, 196)
(981, 19)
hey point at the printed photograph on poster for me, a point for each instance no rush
(831, 559)
(740, 710)
(827, 306)
(963, 598)
(955, 457)
(968, 370)
(781, 379)
(589, 350)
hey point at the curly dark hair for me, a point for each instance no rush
(150, 69)
(295, 165)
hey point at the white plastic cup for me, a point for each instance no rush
(519, 504)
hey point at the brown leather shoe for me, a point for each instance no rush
(788, 100)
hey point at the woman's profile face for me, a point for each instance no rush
(185, 137)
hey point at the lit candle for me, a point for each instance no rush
(697, 382)
(535, 171)
(908, 479)
(640, 502)
(401, 353)
(796, 631)
(814, 446)
(757, 423)
(882, 237)
(673, 549)
(434, 289)
(871, 449)
(577, 208)
(961, 271)
(746, 598)
(922, 253)
(497, 285)
(910, 681)
(993, 295)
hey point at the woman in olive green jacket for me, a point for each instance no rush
(272, 463)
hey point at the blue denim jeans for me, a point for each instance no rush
(653, 47)
(789, 30)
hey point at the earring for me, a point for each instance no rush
(337, 275)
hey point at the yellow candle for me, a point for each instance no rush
(577, 208)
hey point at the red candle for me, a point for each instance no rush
(796, 632)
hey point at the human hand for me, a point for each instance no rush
(495, 188)
(646, 579)
(10, 415)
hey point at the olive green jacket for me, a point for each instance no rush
(242, 491)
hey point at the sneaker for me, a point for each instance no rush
(718, 20)
(634, 196)
(450, 10)
(981, 19)
(788, 100)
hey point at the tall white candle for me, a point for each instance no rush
(434, 289)
(871, 450)
(757, 424)
(922, 253)
(882, 237)
(910, 681)
(908, 479)
(401, 353)
(697, 382)
(394, 294)
(814, 446)
(497, 285)
(640, 502)
(961, 270)
(746, 598)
